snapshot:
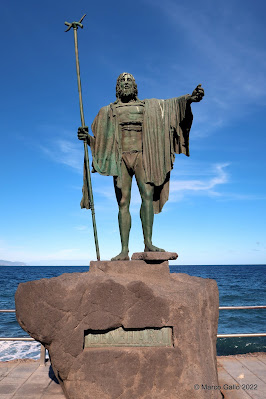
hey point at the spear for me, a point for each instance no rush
(75, 26)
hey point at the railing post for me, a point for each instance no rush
(43, 356)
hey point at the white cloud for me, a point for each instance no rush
(81, 228)
(206, 185)
(65, 152)
(107, 191)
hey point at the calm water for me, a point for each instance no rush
(238, 285)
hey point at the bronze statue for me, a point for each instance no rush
(141, 138)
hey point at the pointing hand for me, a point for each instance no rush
(197, 94)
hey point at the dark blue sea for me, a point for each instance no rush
(239, 285)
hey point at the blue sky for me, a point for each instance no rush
(216, 210)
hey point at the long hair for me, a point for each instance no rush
(118, 88)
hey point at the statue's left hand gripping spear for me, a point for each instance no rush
(75, 26)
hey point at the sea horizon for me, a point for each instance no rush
(106, 260)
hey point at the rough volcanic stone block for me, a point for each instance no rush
(129, 296)
(135, 270)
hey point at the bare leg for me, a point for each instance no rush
(124, 218)
(146, 210)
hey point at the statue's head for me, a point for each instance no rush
(126, 87)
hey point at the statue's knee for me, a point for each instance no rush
(124, 203)
(147, 197)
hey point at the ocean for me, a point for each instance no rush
(239, 285)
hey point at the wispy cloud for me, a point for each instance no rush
(210, 178)
(65, 152)
(206, 185)
(107, 191)
(229, 57)
(81, 228)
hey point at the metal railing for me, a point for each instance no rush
(43, 350)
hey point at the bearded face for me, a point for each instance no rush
(126, 87)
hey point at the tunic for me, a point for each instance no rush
(165, 132)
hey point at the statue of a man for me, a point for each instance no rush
(141, 138)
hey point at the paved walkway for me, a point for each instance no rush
(240, 377)
(28, 380)
(243, 376)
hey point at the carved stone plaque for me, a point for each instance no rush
(126, 337)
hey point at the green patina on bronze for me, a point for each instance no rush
(121, 337)
(141, 138)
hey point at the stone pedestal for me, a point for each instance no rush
(127, 330)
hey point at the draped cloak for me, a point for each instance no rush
(165, 132)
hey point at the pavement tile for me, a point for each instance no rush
(31, 389)
(54, 389)
(3, 372)
(6, 367)
(16, 383)
(226, 381)
(248, 381)
(42, 379)
(262, 357)
(42, 371)
(22, 371)
(8, 388)
(10, 365)
(10, 380)
(255, 366)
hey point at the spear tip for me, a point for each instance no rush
(81, 19)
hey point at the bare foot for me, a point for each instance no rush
(122, 256)
(152, 248)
